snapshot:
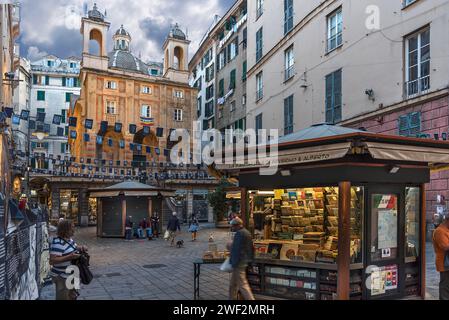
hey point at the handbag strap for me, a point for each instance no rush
(71, 245)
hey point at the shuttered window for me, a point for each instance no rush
(410, 124)
(333, 97)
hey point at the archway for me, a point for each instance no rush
(178, 58)
(110, 151)
(150, 140)
(96, 42)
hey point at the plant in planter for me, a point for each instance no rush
(217, 201)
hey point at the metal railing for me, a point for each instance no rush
(418, 86)
(289, 73)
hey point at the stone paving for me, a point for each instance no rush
(152, 270)
(149, 270)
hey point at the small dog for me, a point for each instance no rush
(180, 243)
(211, 237)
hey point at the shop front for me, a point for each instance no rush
(343, 218)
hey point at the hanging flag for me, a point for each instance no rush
(66, 131)
(73, 134)
(15, 119)
(25, 115)
(104, 126)
(131, 146)
(118, 163)
(148, 149)
(47, 128)
(86, 137)
(9, 112)
(73, 121)
(90, 168)
(83, 166)
(159, 132)
(157, 150)
(125, 163)
(89, 160)
(57, 119)
(99, 140)
(118, 127)
(82, 160)
(132, 129)
(88, 123)
(146, 130)
(122, 144)
(103, 162)
(110, 142)
(60, 131)
(32, 124)
(40, 116)
(166, 152)
(139, 147)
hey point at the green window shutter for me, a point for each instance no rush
(415, 124)
(47, 80)
(40, 110)
(64, 81)
(245, 68)
(221, 88)
(403, 125)
(77, 82)
(63, 115)
(62, 147)
(232, 82)
(66, 131)
(41, 96)
(35, 79)
(33, 145)
(33, 163)
(68, 95)
(45, 145)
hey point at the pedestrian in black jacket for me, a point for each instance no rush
(172, 227)
(242, 253)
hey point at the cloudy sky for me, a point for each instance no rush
(52, 26)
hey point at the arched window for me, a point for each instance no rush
(95, 42)
(178, 56)
(146, 111)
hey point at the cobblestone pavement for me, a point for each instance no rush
(149, 270)
(152, 270)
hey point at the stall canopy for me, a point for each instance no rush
(325, 142)
(131, 189)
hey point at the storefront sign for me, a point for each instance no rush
(305, 155)
(233, 30)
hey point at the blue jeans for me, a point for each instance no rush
(140, 233)
(149, 232)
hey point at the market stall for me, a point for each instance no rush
(127, 200)
(343, 217)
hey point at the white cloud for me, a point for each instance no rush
(35, 54)
(46, 22)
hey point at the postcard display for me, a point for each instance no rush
(296, 243)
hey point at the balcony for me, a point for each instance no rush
(289, 73)
(417, 87)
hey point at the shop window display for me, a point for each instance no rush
(412, 207)
(302, 224)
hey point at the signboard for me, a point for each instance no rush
(383, 279)
(299, 156)
(388, 229)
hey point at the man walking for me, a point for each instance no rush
(242, 252)
(172, 227)
(155, 225)
(441, 247)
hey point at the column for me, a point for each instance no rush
(422, 253)
(244, 206)
(189, 199)
(344, 241)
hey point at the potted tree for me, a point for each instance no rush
(219, 204)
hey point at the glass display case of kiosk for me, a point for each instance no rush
(343, 218)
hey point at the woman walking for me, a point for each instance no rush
(63, 251)
(194, 226)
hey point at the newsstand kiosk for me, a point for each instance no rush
(343, 218)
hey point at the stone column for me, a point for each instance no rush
(83, 208)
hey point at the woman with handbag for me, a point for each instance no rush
(63, 252)
(194, 226)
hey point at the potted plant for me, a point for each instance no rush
(219, 204)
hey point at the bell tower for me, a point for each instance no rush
(176, 55)
(95, 28)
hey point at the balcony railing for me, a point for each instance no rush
(289, 73)
(417, 87)
(259, 94)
